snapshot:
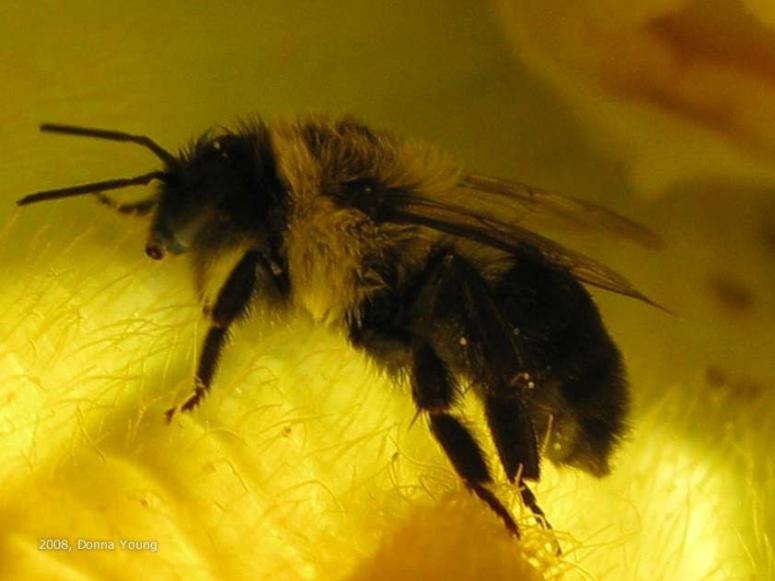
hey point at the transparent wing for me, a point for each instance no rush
(524, 200)
(405, 206)
(490, 231)
(467, 212)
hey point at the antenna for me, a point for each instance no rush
(91, 188)
(111, 135)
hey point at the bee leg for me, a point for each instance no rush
(529, 499)
(508, 417)
(231, 304)
(200, 268)
(514, 435)
(141, 208)
(434, 390)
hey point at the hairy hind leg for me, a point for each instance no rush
(434, 391)
(502, 371)
(450, 296)
(506, 384)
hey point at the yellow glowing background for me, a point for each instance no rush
(302, 464)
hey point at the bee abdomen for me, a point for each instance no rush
(580, 389)
(597, 404)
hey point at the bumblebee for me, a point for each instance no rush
(425, 267)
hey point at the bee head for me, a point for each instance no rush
(219, 190)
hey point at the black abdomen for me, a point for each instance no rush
(580, 390)
(532, 333)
